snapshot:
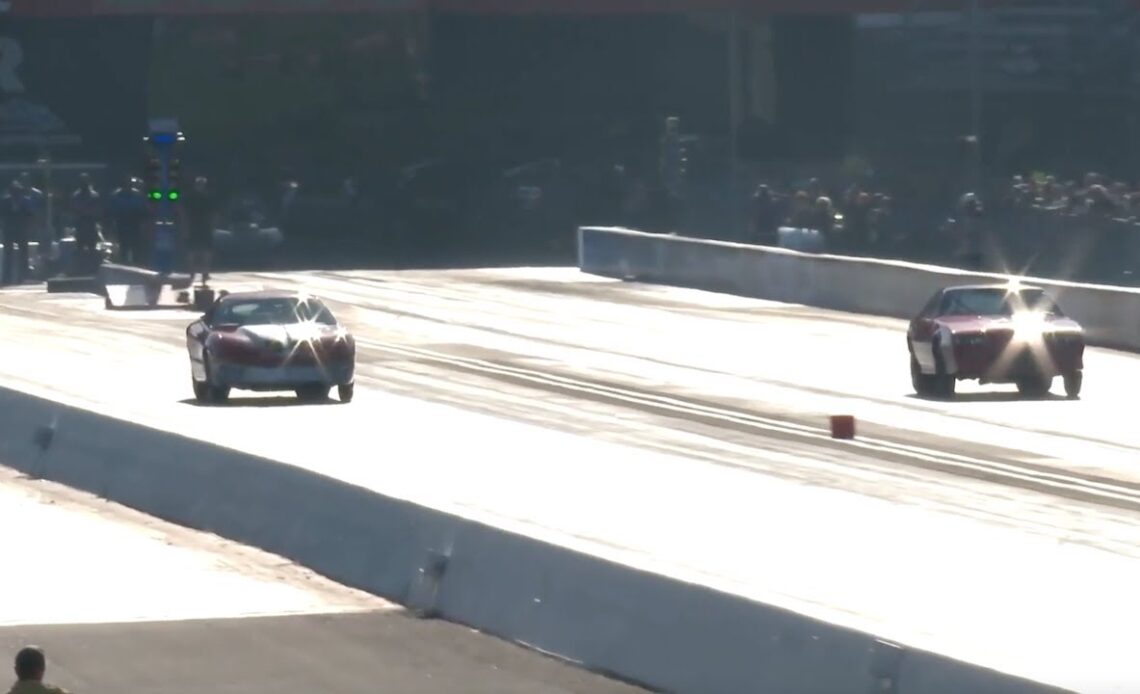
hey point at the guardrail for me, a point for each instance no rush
(668, 634)
(1110, 315)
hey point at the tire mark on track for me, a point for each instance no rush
(1080, 487)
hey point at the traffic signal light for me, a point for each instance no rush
(174, 179)
(153, 178)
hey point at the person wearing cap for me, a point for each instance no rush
(31, 665)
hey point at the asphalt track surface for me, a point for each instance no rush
(692, 426)
(123, 602)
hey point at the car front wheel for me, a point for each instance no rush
(1073, 383)
(201, 391)
(922, 383)
(345, 391)
(213, 393)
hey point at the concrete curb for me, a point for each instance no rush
(663, 633)
(1110, 315)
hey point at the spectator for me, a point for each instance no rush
(879, 215)
(199, 209)
(765, 216)
(857, 219)
(802, 215)
(85, 206)
(129, 212)
(31, 666)
(823, 218)
(38, 200)
(17, 211)
(967, 226)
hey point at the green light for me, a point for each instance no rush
(173, 195)
(155, 195)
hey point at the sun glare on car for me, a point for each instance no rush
(1028, 323)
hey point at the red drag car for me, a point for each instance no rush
(994, 334)
(270, 341)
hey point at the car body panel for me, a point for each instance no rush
(1003, 347)
(294, 352)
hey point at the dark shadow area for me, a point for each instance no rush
(262, 401)
(188, 308)
(991, 396)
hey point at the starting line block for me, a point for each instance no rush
(126, 287)
(128, 296)
(146, 296)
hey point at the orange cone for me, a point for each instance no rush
(842, 426)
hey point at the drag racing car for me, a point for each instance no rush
(270, 341)
(994, 334)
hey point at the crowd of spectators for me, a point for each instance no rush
(853, 220)
(1095, 195)
(1086, 229)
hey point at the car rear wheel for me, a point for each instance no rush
(1073, 383)
(313, 393)
(345, 391)
(1034, 387)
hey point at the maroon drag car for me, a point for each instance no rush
(994, 334)
(270, 341)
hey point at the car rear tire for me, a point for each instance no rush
(313, 393)
(1035, 387)
(1073, 383)
(345, 391)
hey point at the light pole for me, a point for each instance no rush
(975, 137)
(733, 121)
(45, 164)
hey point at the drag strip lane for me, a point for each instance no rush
(1001, 466)
(785, 361)
(812, 525)
(1039, 478)
(412, 358)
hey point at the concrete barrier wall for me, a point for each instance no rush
(667, 634)
(1110, 315)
